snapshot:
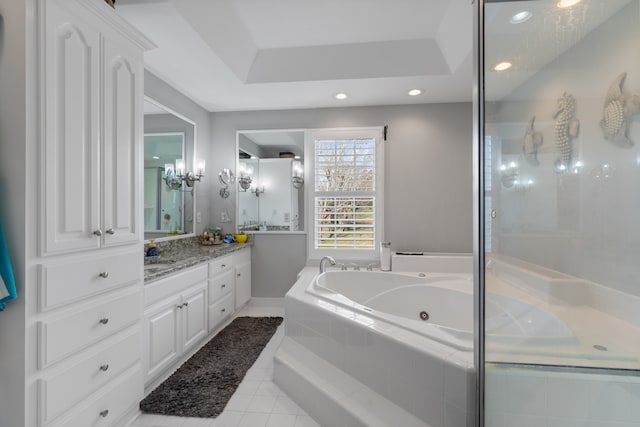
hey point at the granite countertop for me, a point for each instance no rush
(184, 255)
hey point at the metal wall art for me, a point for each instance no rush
(567, 128)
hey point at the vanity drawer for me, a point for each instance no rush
(220, 285)
(64, 282)
(219, 265)
(61, 391)
(104, 410)
(221, 310)
(65, 335)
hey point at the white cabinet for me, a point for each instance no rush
(176, 319)
(242, 266)
(221, 290)
(71, 344)
(92, 126)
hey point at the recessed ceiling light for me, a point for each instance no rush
(503, 66)
(567, 3)
(520, 17)
(156, 158)
(415, 92)
(341, 96)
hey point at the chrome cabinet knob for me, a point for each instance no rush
(186, 303)
(97, 232)
(104, 320)
(104, 274)
(223, 286)
(111, 231)
(179, 305)
(223, 310)
(238, 275)
(104, 367)
(104, 413)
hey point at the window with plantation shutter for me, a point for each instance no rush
(346, 199)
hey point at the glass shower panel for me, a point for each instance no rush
(562, 209)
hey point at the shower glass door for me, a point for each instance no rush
(560, 157)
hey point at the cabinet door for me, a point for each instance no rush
(194, 315)
(243, 284)
(122, 141)
(70, 137)
(162, 337)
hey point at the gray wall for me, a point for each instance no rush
(428, 179)
(166, 95)
(15, 179)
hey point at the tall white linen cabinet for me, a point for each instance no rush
(71, 92)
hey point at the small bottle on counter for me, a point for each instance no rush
(385, 256)
(152, 250)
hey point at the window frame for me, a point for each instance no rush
(346, 254)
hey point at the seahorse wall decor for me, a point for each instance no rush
(617, 112)
(566, 129)
(532, 141)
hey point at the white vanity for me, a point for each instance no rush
(183, 310)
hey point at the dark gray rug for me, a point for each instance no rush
(203, 385)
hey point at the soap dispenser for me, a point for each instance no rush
(152, 250)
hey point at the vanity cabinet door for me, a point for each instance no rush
(243, 284)
(194, 316)
(121, 145)
(70, 180)
(162, 336)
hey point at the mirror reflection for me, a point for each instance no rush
(168, 144)
(270, 179)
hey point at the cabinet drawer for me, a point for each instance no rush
(120, 396)
(219, 265)
(61, 391)
(173, 284)
(220, 285)
(221, 310)
(65, 335)
(64, 282)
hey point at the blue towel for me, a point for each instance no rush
(7, 282)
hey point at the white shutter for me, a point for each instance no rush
(345, 185)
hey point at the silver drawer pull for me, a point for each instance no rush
(104, 320)
(223, 310)
(104, 274)
(111, 231)
(223, 265)
(104, 413)
(179, 305)
(186, 303)
(97, 232)
(223, 286)
(104, 367)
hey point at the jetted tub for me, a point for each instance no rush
(440, 307)
(395, 348)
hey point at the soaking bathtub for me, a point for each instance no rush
(354, 356)
(396, 348)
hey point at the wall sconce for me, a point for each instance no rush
(245, 173)
(297, 174)
(509, 174)
(174, 176)
(523, 187)
(258, 190)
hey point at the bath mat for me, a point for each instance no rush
(203, 385)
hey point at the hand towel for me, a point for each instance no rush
(7, 282)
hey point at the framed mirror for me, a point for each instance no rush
(270, 180)
(169, 143)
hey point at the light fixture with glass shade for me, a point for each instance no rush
(297, 174)
(245, 176)
(174, 176)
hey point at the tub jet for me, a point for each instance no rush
(424, 316)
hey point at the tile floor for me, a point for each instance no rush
(257, 402)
